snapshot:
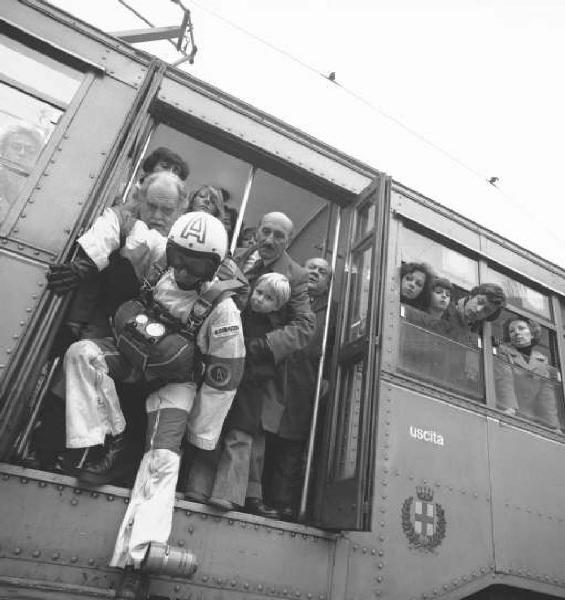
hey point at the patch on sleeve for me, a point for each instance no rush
(225, 331)
(218, 375)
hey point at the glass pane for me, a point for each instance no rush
(440, 360)
(543, 340)
(350, 417)
(365, 219)
(530, 390)
(360, 289)
(24, 65)
(25, 127)
(521, 295)
(445, 262)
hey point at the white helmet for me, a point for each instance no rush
(201, 233)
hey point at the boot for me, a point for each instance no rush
(109, 467)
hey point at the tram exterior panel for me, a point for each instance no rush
(449, 495)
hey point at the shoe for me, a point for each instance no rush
(222, 503)
(255, 506)
(196, 497)
(109, 467)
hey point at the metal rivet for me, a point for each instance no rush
(74, 559)
(177, 588)
(24, 480)
(233, 582)
(17, 550)
(42, 484)
(77, 491)
(245, 586)
(260, 587)
(60, 487)
(5, 477)
(55, 556)
(91, 561)
(110, 498)
(36, 553)
(74, 501)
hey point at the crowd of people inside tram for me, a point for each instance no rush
(525, 381)
(223, 352)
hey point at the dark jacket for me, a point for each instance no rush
(262, 403)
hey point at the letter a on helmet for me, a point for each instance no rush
(201, 233)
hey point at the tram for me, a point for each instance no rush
(421, 487)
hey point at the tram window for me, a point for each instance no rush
(435, 345)
(360, 288)
(35, 71)
(526, 370)
(520, 295)
(34, 91)
(462, 271)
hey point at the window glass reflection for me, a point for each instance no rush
(521, 295)
(449, 363)
(34, 70)
(360, 289)
(25, 127)
(350, 418)
(365, 220)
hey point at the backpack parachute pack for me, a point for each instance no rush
(160, 345)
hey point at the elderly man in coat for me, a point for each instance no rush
(287, 427)
(236, 480)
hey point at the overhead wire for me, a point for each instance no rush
(359, 98)
(332, 78)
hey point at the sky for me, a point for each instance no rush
(439, 94)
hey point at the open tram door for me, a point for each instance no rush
(344, 483)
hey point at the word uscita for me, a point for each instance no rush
(426, 435)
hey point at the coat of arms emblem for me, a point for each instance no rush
(423, 521)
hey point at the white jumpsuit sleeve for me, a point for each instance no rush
(223, 351)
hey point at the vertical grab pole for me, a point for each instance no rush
(244, 201)
(319, 378)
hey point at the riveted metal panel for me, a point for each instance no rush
(244, 556)
(46, 22)
(431, 452)
(24, 281)
(54, 532)
(209, 109)
(50, 213)
(528, 482)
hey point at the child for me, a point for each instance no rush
(224, 483)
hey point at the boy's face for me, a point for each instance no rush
(189, 271)
(440, 298)
(263, 300)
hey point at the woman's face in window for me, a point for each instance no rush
(206, 200)
(440, 298)
(520, 334)
(412, 285)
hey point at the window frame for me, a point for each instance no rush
(89, 72)
(488, 407)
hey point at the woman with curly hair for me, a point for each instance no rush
(523, 375)
(415, 282)
(209, 199)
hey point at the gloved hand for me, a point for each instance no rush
(258, 350)
(64, 277)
